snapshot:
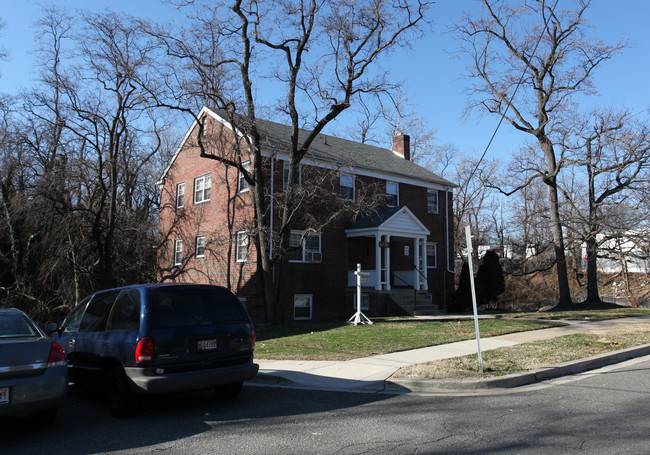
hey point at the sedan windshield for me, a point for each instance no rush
(15, 325)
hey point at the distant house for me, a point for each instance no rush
(404, 243)
(630, 248)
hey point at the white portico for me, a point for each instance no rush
(386, 226)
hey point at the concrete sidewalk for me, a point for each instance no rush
(373, 374)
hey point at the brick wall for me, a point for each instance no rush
(226, 213)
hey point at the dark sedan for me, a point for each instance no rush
(33, 371)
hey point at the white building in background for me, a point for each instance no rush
(632, 246)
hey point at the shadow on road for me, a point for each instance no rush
(84, 426)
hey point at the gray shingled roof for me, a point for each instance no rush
(375, 219)
(346, 153)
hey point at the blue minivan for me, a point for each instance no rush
(158, 338)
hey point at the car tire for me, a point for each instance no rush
(45, 417)
(119, 398)
(229, 391)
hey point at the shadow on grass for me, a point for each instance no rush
(301, 328)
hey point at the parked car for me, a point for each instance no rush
(158, 338)
(33, 373)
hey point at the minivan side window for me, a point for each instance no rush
(125, 314)
(71, 323)
(96, 315)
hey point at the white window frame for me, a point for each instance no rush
(242, 185)
(389, 193)
(241, 246)
(202, 188)
(433, 265)
(180, 195)
(285, 175)
(307, 254)
(430, 208)
(200, 246)
(178, 252)
(303, 297)
(342, 177)
(365, 302)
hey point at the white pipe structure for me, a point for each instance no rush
(359, 317)
(468, 236)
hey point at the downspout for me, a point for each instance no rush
(272, 200)
(447, 227)
(447, 244)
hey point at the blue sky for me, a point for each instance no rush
(432, 77)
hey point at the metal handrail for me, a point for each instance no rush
(415, 291)
(420, 272)
(395, 276)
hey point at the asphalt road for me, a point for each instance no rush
(602, 412)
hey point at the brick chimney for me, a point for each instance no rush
(402, 145)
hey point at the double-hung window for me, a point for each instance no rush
(202, 187)
(178, 252)
(180, 195)
(347, 186)
(200, 246)
(305, 247)
(302, 304)
(285, 175)
(242, 184)
(432, 255)
(392, 194)
(432, 201)
(242, 246)
(365, 302)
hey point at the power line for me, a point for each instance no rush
(521, 79)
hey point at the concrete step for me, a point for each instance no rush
(414, 304)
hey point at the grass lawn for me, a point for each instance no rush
(530, 356)
(582, 314)
(329, 341)
(339, 341)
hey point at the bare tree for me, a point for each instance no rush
(528, 61)
(78, 164)
(3, 52)
(529, 229)
(472, 200)
(322, 57)
(611, 151)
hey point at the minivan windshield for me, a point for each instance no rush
(192, 306)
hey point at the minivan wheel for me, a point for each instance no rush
(229, 391)
(117, 394)
(45, 417)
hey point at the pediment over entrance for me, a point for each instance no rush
(397, 221)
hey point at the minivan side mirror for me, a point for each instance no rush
(51, 327)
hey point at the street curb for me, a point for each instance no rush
(517, 379)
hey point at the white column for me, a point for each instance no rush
(387, 262)
(425, 285)
(378, 261)
(416, 260)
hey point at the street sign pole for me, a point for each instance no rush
(468, 237)
(359, 317)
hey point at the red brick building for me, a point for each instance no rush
(403, 241)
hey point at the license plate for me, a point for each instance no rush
(4, 395)
(206, 345)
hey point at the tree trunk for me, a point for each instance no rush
(592, 271)
(556, 221)
(558, 245)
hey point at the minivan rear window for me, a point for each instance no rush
(187, 307)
